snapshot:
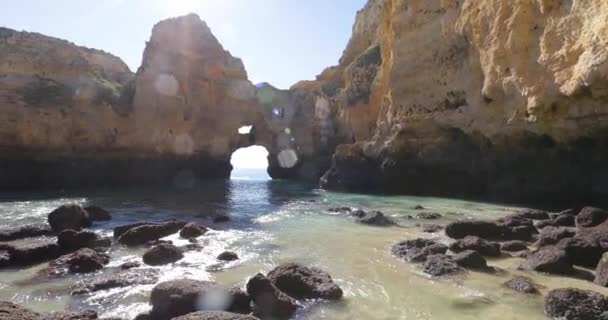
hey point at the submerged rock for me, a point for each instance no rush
(432, 228)
(373, 218)
(192, 230)
(429, 216)
(269, 300)
(482, 246)
(534, 214)
(228, 256)
(26, 231)
(215, 315)
(162, 254)
(441, 265)
(141, 234)
(72, 315)
(522, 284)
(11, 311)
(70, 216)
(118, 280)
(98, 213)
(221, 219)
(303, 282)
(576, 304)
(418, 250)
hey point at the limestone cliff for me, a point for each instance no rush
(487, 98)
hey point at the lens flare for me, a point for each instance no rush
(287, 158)
(166, 84)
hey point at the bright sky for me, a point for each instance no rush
(280, 41)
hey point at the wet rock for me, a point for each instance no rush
(11, 311)
(70, 240)
(98, 214)
(241, 301)
(549, 259)
(118, 280)
(215, 315)
(130, 265)
(221, 219)
(25, 255)
(534, 214)
(342, 210)
(82, 261)
(72, 315)
(482, 246)
(142, 316)
(70, 216)
(522, 284)
(508, 228)
(27, 231)
(552, 235)
(429, 216)
(544, 223)
(303, 282)
(441, 265)
(576, 304)
(601, 272)
(431, 228)
(372, 218)
(176, 298)
(513, 246)
(142, 234)
(419, 207)
(565, 220)
(269, 300)
(228, 256)
(471, 260)
(588, 245)
(192, 230)
(418, 250)
(162, 254)
(591, 217)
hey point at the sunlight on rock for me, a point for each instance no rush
(166, 84)
(287, 158)
(245, 129)
(241, 89)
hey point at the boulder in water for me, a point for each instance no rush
(162, 254)
(552, 235)
(441, 265)
(141, 234)
(70, 216)
(82, 261)
(269, 300)
(418, 250)
(431, 228)
(549, 259)
(576, 304)
(486, 248)
(70, 240)
(26, 231)
(513, 246)
(25, 255)
(227, 256)
(522, 284)
(98, 213)
(471, 259)
(591, 217)
(176, 298)
(303, 282)
(372, 218)
(192, 230)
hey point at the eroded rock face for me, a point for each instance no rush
(487, 109)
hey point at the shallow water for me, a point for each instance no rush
(274, 222)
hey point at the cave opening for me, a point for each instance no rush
(250, 163)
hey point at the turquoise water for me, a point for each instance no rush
(274, 222)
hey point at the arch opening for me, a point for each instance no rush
(250, 163)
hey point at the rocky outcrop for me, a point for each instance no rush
(69, 217)
(303, 282)
(575, 304)
(474, 98)
(11, 311)
(162, 254)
